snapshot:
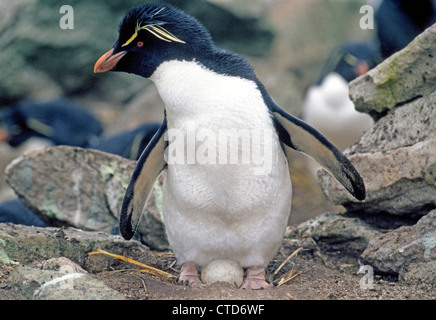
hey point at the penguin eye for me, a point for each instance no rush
(139, 43)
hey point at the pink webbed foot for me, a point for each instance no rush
(189, 275)
(255, 279)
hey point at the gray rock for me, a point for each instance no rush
(401, 127)
(23, 244)
(421, 272)
(399, 182)
(60, 279)
(82, 188)
(405, 76)
(407, 251)
(7, 154)
(336, 232)
(396, 160)
(62, 263)
(78, 187)
(54, 263)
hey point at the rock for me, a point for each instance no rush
(396, 160)
(7, 154)
(24, 244)
(421, 272)
(401, 127)
(4, 258)
(82, 188)
(406, 251)
(400, 182)
(403, 77)
(57, 264)
(67, 281)
(336, 232)
(78, 187)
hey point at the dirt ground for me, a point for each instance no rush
(316, 278)
(316, 282)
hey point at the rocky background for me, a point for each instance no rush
(397, 159)
(77, 192)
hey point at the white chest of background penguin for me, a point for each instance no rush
(223, 210)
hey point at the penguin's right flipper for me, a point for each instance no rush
(300, 136)
(149, 166)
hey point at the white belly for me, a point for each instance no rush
(236, 206)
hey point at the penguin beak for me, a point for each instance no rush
(4, 136)
(108, 61)
(362, 68)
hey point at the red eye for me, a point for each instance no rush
(140, 44)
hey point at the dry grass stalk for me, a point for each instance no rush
(293, 254)
(288, 277)
(145, 268)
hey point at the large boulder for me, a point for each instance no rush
(336, 233)
(54, 263)
(396, 157)
(24, 244)
(60, 279)
(407, 251)
(79, 187)
(403, 77)
(83, 188)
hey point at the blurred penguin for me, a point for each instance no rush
(59, 122)
(128, 144)
(327, 105)
(400, 21)
(14, 211)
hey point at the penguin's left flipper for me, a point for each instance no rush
(300, 136)
(148, 168)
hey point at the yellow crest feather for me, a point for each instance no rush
(155, 29)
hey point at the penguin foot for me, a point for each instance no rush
(255, 279)
(189, 275)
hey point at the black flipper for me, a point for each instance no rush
(149, 166)
(300, 136)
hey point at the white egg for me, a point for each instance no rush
(223, 270)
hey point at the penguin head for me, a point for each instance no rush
(351, 60)
(152, 34)
(15, 130)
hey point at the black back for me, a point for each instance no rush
(62, 122)
(400, 21)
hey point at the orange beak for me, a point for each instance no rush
(362, 68)
(4, 136)
(108, 61)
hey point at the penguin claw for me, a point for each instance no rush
(189, 275)
(255, 280)
(192, 281)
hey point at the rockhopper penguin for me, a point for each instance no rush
(61, 122)
(222, 209)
